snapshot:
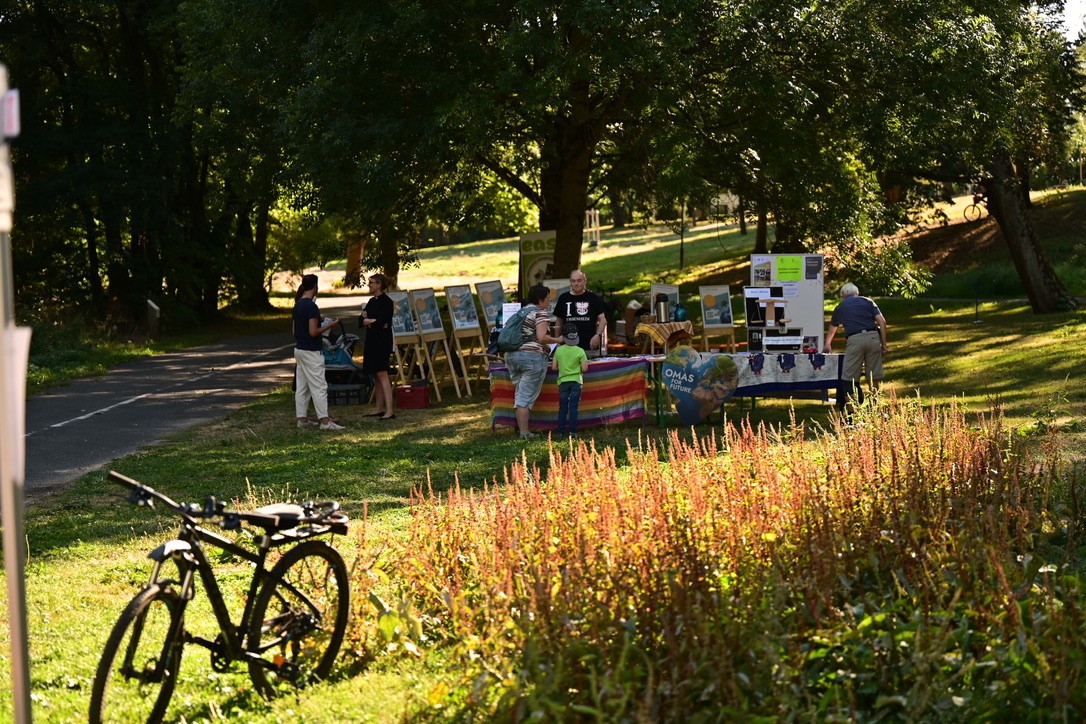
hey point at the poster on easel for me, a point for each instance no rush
(403, 320)
(467, 336)
(492, 297)
(558, 287)
(716, 306)
(424, 301)
(536, 259)
(462, 310)
(795, 285)
(433, 340)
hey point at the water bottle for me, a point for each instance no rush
(498, 319)
(680, 312)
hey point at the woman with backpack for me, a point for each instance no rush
(528, 362)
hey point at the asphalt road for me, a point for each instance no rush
(82, 427)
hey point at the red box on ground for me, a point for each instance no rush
(409, 397)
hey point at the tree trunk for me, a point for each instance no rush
(94, 278)
(353, 274)
(248, 258)
(786, 241)
(1022, 170)
(388, 246)
(1045, 290)
(618, 211)
(567, 166)
(761, 235)
(742, 213)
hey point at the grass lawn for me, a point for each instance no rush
(87, 547)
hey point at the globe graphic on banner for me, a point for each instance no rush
(700, 382)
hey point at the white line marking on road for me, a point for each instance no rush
(160, 391)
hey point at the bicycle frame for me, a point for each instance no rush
(187, 551)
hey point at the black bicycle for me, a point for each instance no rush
(291, 627)
(975, 210)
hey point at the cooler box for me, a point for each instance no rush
(412, 396)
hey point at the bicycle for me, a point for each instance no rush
(974, 211)
(291, 627)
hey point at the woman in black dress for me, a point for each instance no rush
(377, 320)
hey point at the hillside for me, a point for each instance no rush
(976, 252)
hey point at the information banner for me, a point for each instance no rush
(536, 259)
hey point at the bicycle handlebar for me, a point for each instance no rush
(291, 516)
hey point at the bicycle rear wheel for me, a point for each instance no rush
(139, 665)
(299, 618)
(972, 212)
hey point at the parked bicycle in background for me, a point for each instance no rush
(291, 627)
(978, 208)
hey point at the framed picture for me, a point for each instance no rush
(462, 308)
(492, 297)
(672, 292)
(558, 287)
(716, 306)
(424, 302)
(403, 321)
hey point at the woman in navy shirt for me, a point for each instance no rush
(309, 381)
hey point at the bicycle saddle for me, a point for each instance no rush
(283, 510)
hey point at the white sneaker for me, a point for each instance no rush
(307, 423)
(331, 426)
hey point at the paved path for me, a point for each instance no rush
(73, 430)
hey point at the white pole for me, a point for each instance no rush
(14, 344)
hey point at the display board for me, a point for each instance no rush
(716, 315)
(432, 340)
(716, 307)
(799, 277)
(536, 259)
(492, 297)
(558, 287)
(467, 336)
(403, 320)
(462, 312)
(672, 292)
(424, 302)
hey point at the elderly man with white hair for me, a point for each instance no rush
(865, 339)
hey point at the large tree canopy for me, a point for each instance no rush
(161, 139)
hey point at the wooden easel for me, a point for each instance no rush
(408, 357)
(424, 344)
(724, 332)
(474, 340)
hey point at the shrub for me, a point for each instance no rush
(908, 566)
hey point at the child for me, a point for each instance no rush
(571, 362)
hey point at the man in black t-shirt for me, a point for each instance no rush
(583, 310)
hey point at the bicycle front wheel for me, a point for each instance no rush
(299, 618)
(138, 669)
(972, 212)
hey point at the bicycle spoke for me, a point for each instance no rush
(299, 618)
(139, 666)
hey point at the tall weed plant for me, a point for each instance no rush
(911, 564)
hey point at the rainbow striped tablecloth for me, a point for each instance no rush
(614, 390)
